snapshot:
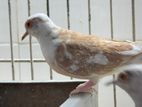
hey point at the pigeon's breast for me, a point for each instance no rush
(48, 50)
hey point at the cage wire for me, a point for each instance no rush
(31, 60)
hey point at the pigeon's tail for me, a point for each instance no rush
(136, 54)
(136, 49)
(137, 43)
(137, 58)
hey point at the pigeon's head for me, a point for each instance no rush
(38, 24)
(130, 79)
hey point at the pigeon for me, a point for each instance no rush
(130, 79)
(79, 55)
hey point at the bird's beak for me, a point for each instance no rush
(24, 35)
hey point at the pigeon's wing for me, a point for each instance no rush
(87, 55)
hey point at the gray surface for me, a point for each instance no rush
(34, 94)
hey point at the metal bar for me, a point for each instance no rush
(48, 13)
(21, 60)
(51, 74)
(68, 14)
(89, 16)
(114, 89)
(68, 19)
(17, 28)
(111, 20)
(47, 5)
(11, 42)
(133, 20)
(30, 43)
(112, 33)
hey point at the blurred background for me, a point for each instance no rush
(23, 61)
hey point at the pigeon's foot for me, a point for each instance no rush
(86, 87)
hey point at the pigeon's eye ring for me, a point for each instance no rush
(123, 76)
(29, 24)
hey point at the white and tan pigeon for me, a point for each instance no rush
(79, 55)
(130, 79)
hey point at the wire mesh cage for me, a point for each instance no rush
(23, 61)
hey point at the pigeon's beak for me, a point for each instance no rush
(24, 35)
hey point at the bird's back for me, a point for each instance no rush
(86, 55)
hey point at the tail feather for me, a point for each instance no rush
(134, 51)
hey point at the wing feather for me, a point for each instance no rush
(76, 49)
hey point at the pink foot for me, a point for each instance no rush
(84, 87)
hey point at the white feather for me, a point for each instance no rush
(136, 50)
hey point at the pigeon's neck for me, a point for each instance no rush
(137, 98)
(138, 101)
(49, 37)
(138, 105)
(48, 43)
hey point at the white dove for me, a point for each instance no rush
(79, 55)
(130, 79)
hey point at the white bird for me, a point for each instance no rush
(79, 55)
(130, 79)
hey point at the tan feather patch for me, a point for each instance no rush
(81, 48)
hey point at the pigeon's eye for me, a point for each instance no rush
(123, 76)
(29, 24)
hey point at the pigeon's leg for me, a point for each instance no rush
(84, 87)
